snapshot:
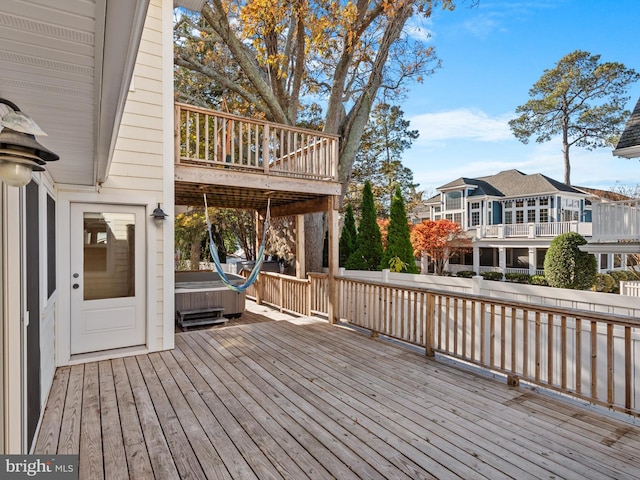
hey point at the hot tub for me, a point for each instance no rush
(202, 289)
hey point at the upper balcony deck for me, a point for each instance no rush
(239, 161)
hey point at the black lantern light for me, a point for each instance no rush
(20, 152)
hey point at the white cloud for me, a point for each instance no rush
(419, 33)
(461, 124)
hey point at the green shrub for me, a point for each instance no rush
(539, 280)
(518, 278)
(398, 241)
(620, 276)
(465, 273)
(368, 246)
(495, 276)
(565, 266)
(604, 283)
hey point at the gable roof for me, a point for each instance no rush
(629, 143)
(511, 183)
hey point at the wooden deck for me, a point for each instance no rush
(303, 399)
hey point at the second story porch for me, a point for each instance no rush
(533, 230)
(240, 162)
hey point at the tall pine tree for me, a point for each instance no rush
(348, 236)
(368, 252)
(398, 240)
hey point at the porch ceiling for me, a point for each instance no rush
(68, 65)
(236, 196)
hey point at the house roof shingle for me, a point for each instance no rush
(511, 183)
(629, 143)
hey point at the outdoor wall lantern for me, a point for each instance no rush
(20, 153)
(158, 215)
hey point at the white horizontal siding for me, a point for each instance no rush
(137, 164)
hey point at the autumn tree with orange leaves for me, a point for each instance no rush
(439, 240)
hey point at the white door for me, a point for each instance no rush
(107, 277)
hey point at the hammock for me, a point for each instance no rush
(253, 276)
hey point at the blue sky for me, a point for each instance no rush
(491, 56)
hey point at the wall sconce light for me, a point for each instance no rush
(20, 153)
(158, 215)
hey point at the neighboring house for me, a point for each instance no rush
(511, 218)
(616, 229)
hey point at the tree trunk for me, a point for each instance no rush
(194, 256)
(565, 152)
(313, 241)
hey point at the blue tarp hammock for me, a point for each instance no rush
(253, 276)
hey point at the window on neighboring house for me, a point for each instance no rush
(449, 216)
(453, 201)
(437, 213)
(457, 218)
(544, 202)
(519, 203)
(508, 204)
(544, 215)
(508, 217)
(475, 214)
(519, 216)
(531, 216)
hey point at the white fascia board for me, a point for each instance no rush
(116, 53)
(628, 152)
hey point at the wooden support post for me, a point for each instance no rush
(430, 325)
(333, 307)
(300, 258)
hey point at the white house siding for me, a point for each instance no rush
(137, 167)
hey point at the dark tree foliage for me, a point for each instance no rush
(566, 266)
(398, 240)
(368, 252)
(348, 236)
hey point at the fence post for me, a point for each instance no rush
(310, 293)
(259, 286)
(430, 325)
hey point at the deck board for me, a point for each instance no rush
(282, 399)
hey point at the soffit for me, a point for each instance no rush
(56, 65)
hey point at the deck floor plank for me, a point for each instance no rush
(298, 409)
(113, 443)
(303, 399)
(91, 454)
(138, 462)
(274, 441)
(182, 452)
(69, 442)
(353, 406)
(49, 435)
(370, 396)
(162, 462)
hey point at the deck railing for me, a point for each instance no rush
(586, 354)
(533, 230)
(221, 140)
(616, 221)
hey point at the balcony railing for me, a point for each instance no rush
(616, 221)
(221, 140)
(586, 354)
(533, 230)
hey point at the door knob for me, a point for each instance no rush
(75, 286)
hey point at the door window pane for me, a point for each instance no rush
(109, 260)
